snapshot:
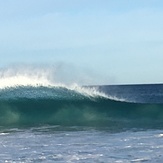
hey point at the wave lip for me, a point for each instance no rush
(51, 92)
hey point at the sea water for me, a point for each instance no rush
(81, 124)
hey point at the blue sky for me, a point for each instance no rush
(118, 41)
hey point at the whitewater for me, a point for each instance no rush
(44, 119)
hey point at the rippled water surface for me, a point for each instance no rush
(74, 144)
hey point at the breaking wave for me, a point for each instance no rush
(30, 98)
(32, 106)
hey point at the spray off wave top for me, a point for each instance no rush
(36, 77)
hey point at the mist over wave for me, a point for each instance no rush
(47, 74)
(42, 76)
(26, 75)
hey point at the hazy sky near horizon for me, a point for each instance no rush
(121, 41)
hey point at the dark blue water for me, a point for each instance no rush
(145, 93)
(92, 124)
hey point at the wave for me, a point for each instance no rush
(30, 97)
(30, 106)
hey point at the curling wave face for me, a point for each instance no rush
(21, 106)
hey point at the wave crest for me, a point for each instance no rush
(45, 76)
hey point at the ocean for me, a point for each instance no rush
(58, 123)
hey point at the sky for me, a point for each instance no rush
(110, 41)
